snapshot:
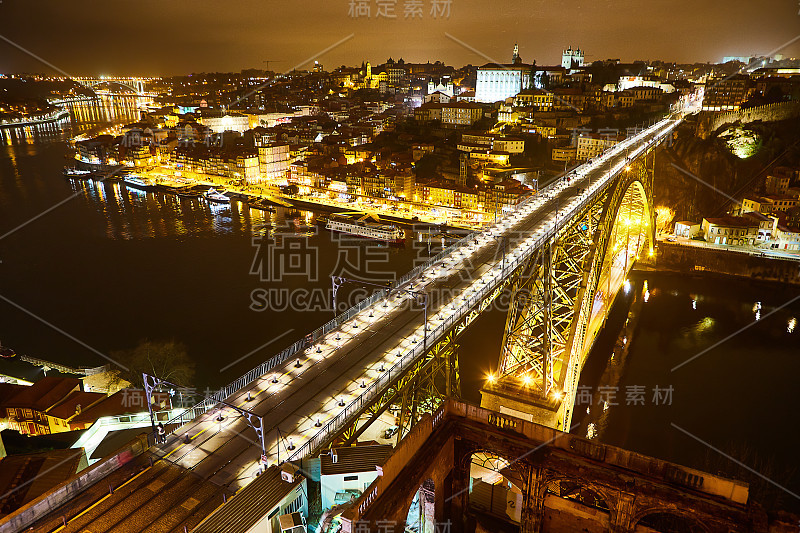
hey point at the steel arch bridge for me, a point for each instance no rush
(561, 256)
(561, 297)
(558, 299)
(134, 84)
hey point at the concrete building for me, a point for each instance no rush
(273, 160)
(786, 238)
(564, 153)
(461, 114)
(778, 181)
(730, 230)
(629, 82)
(687, 229)
(769, 204)
(591, 145)
(346, 472)
(538, 98)
(729, 93)
(496, 82)
(27, 409)
(219, 122)
(572, 58)
(438, 97)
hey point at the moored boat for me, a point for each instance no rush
(213, 195)
(72, 172)
(262, 205)
(189, 193)
(134, 181)
(368, 230)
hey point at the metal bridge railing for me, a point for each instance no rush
(408, 358)
(334, 426)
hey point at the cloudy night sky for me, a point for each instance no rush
(92, 37)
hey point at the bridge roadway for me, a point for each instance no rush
(207, 457)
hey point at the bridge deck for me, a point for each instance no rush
(224, 455)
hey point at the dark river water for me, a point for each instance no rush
(90, 268)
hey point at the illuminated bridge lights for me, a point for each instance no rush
(459, 304)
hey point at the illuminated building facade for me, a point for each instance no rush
(496, 82)
(274, 160)
(572, 58)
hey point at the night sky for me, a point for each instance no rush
(147, 37)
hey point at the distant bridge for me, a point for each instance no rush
(137, 85)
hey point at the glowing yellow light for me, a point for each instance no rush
(490, 378)
(628, 168)
(527, 379)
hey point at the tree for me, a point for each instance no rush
(166, 360)
(427, 167)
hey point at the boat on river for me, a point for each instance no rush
(214, 196)
(368, 230)
(134, 181)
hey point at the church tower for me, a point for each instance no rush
(515, 58)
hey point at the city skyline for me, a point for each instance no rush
(180, 40)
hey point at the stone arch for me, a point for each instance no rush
(516, 470)
(570, 502)
(421, 511)
(494, 484)
(589, 494)
(667, 520)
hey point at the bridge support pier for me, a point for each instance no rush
(533, 503)
(507, 397)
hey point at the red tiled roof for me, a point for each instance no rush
(69, 406)
(44, 394)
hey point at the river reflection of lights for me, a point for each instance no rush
(705, 325)
(792, 324)
(591, 431)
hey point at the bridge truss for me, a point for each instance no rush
(561, 297)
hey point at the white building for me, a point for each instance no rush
(591, 145)
(444, 86)
(496, 82)
(687, 229)
(572, 58)
(629, 82)
(227, 122)
(346, 472)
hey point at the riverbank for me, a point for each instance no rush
(673, 257)
(273, 194)
(44, 118)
